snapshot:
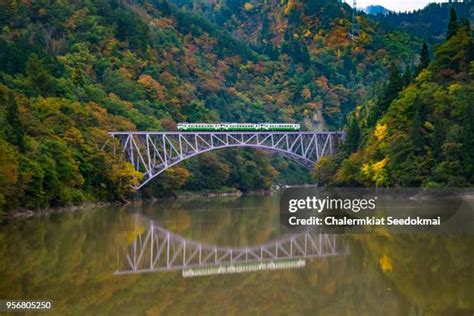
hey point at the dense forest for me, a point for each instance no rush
(430, 22)
(70, 72)
(419, 133)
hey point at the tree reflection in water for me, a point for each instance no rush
(71, 258)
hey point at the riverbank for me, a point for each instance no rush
(27, 213)
(23, 213)
(178, 195)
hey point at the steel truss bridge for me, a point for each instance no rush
(158, 249)
(153, 152)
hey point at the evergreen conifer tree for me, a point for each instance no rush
(352, 135)
(15, 131)
(424, 56)
(453, 24)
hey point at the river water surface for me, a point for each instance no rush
(70, 259)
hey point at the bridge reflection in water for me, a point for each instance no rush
(158, 249)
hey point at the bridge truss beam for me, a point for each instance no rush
(153, 152)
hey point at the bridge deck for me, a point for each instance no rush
(226, 132)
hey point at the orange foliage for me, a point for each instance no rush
(167, 78)
(151, 83)
(108, 121)
(168, 124)
(211, 85)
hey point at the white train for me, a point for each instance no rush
(192, 127)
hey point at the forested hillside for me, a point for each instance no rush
(71, 71)
(430, 22)
(333, 66)
(416, 134)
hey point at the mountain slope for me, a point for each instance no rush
(339, 70)
(425, 138)
(428, 23)
(77, 70)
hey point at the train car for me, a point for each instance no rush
(209, 127)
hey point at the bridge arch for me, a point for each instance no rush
(154, 152)
(301, 160)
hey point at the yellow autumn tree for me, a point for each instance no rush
(125, 176)
(174, 178)
(380, 131)
(376, 172)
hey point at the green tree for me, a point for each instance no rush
(438, 136)
(15, 132)
(467, 117)
(7, 10)
(8, 172)
(417, 124)
(465, 24)
(323, 172)
(40, 80)
(390, 92)
(452, 59)
(424, 56)
(453, 24)
(407, 76)
(211, 173)
(352, 134)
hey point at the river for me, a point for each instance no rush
(71, 259)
